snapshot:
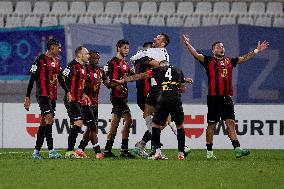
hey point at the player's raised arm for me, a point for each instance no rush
(260, 47)
(191, 49)
(138, 55)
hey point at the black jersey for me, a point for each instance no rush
(169, 79)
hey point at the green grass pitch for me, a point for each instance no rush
(262, 169)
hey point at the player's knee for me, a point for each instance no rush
(79, 123)
(230, 123)
(49, 119)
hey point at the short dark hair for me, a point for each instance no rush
(78, 49)
(52, 41)
(121, 42)
(166, 37)
(215, 43)
(147, 44)
(93, 51)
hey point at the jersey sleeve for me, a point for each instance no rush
(67, 74)
(138, 55)
(150, 72)
(36, 66)
(104, 76)
(111, 74)
(234, 61)
(206, 62)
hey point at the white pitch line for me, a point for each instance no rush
(28, 152)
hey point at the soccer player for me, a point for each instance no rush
(220, 89)
(169, 103)
(79, 108)
(117, 68)
(46, 72)
(142, 86)
(154, 55)
(95, 76)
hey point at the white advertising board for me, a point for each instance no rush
(258, 127)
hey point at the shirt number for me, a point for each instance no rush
(169, 74)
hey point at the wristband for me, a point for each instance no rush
(256, 51)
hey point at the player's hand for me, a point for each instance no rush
(262, 45)
(27, 103)
(98, 81)
(188, 80)
(185, 38)
(69, 97)
(87, 99)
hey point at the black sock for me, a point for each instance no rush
(72, 137)
(108, 146)
(97, 149)
(124, 144)
(147, 136)
(83, 144)
(235, 143)
(39, 138)
(181, 139)
(209, 146)
(48, 136)
(156, 138)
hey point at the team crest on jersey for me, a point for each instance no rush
(83, 71)
(124, 67)
(222, 63)
(52, 64)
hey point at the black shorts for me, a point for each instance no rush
(46, 105)
(95, 112)
(88, 115)
(119, 106)
(220, 107)
(152, 97)
(166, 107)
(74, 110)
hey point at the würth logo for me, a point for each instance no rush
(32, 119)
(196, 122)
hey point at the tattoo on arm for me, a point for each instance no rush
(137, 77)
(246, 57)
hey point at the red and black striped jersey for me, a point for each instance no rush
(118, 68)
(219, 74)
(46, 71)
(95, 75)
(75, 78)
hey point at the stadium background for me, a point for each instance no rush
(259, 88)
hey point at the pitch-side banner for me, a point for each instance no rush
(258, 127)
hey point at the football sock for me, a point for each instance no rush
(235, 143)
(181, 139)
(108, 146)
(72, 137)
(209, 146)
(156, 137)
(147, 136)
(148, 120)
(83, 144)
(173, 127)
(48, 136)
(39, 138)
(97, 148)
(124, 144)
